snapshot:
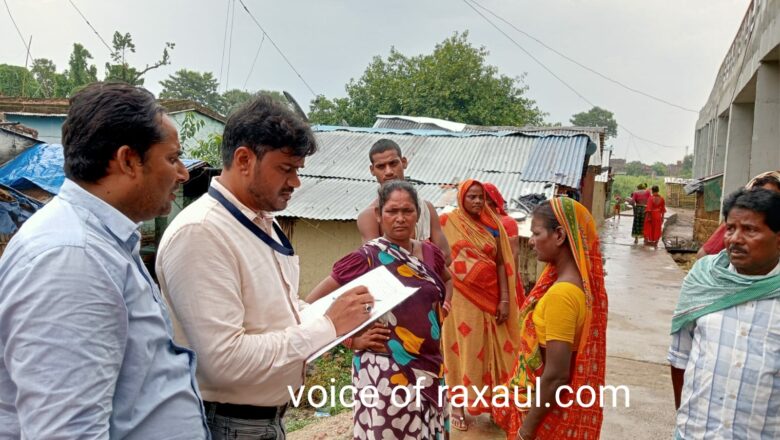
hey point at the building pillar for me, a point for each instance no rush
(765, 153)
(740, 135)
(719, 156)
(700, 153)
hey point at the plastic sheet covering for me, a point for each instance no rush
(38, 166)
(42, 166)
(15, 209)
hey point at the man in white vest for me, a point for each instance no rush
(388, 163)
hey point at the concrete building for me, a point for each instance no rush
(738, 131)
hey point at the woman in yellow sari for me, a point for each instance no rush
(564, 323)
(481, 334)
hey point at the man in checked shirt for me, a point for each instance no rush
(725, 351)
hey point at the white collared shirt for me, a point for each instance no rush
(731, 360)
(234, 301)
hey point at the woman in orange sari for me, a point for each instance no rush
(564, 323)
(654, 218)
(481, 334)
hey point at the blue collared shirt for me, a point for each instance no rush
(86, 347)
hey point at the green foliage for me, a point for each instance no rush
(80, 72)
(234, 98)
(207, 150)
(17, 81)
(52, 84)
(625, 185)
(687, 167)
(195, 86)
(335, 364)
(597, 117)
(659, 168)
(635, 168)
(121, 70)
(454, 82)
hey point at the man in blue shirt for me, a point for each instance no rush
(86, 349)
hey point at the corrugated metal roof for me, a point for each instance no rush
(343, 199)
(336, 183)
(557, 159)
(678, 181)
(449, 158)
(406, 122)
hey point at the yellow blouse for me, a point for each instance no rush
(560, 314)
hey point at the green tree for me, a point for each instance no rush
(17, 81)
(208, 149)
(687, 166)
(635, 168)
(121, 70)
(234, 98)
(79, 72)
(195, 86)
(454, 82)
(659, 168)
(52, 84)
(597, 117)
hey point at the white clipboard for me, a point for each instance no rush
(387, 291)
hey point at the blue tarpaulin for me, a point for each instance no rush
(42, 166)
(38, 166)
(15, 208)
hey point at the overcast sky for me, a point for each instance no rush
(668, 48)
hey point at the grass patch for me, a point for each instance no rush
(625, 185)
(333, 369)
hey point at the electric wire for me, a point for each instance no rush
(562, 81)
(110, 50)
(252, 68)
(230, 45)
(278, 49)
(589, 69)
(224, 41)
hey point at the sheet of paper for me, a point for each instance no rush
(387, 291)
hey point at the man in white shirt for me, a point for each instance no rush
(388, 163)
(725, 350)
(230, 277)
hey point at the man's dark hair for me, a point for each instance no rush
(381, 146)
(264, 124)
(103, 117)
(760, 200)
(388, 188)
(655, 189)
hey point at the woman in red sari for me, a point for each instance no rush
(564, 324)
(496, 202)
(654, 218)
(482, 332)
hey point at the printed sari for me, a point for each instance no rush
(589, 358)
(640, 199)
(478, 353)
(414, 353)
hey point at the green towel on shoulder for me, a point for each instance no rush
(710, 287)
